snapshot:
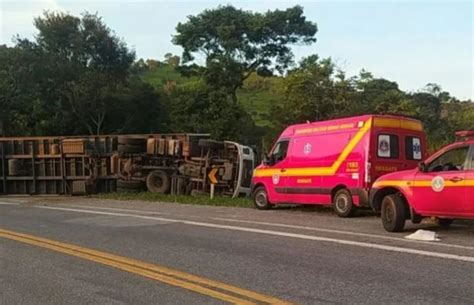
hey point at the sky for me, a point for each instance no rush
(411, 42)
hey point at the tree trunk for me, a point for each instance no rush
(233, 95)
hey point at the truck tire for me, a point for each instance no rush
(212, 144)
(188, 189)
(260, 198)
(343, 204)
(393, 213)
(158, 182)
(445, 222)
(131, 141)
(130, 149)
(130, 184)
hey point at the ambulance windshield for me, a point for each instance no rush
(279, 151)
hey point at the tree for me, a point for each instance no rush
(172, 60)
(83, 63)
(312, 92)
(194, 107)
(18, 91)
(237, 43)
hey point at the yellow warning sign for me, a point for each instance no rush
(212, 176)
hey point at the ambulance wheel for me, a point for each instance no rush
(393, 213)
(343, 204)
(445, 222)
(260, 198)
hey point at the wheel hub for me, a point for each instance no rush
(261, 199)
(342, 203)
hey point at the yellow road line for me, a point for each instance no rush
(169, 276)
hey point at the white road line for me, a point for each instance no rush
(107, 213)
(118, 209)
(341, 232)
(9, 203)
(280, 225)
(285, 234)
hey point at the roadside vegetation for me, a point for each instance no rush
(197, 200)
(78, 77)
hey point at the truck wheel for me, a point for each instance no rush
(343, 204)
(445, 222)
(260, 199)
(158, 182)
(130, 184)
(131, 141)
(393, 213)
(188, 189)
(130, 149)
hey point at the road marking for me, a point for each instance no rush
(342, 232)
(306, 228)
(9, 203)
(118, 209)
(215, 289)
(397, 249)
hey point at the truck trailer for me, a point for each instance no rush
(163, 163)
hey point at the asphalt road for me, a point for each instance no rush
(292, 255)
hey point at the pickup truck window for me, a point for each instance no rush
(452, 160)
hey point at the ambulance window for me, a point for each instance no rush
(413, 148)
(387, 146)
(452, 160)
(279, 151)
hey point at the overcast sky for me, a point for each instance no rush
(411, 42)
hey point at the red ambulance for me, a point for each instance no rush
(442, 187)
(334, 162)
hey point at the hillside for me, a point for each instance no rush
(256, 96)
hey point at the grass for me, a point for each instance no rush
(197, 200)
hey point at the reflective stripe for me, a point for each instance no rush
(420, 183)
(398, 123)
(399, 183)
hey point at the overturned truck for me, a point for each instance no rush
(162, 163)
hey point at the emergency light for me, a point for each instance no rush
(465, 135)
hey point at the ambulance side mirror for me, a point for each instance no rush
(266, 160)
(269, 160)
(422, 167)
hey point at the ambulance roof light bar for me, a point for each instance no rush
(465, 135)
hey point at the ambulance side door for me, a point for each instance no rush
(441, 189)
(279, 162)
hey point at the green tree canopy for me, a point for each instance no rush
(236, 43)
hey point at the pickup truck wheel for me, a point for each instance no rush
(343, 204)
(158, 182)
(260, 198)
(445, 222)
(393, 213)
